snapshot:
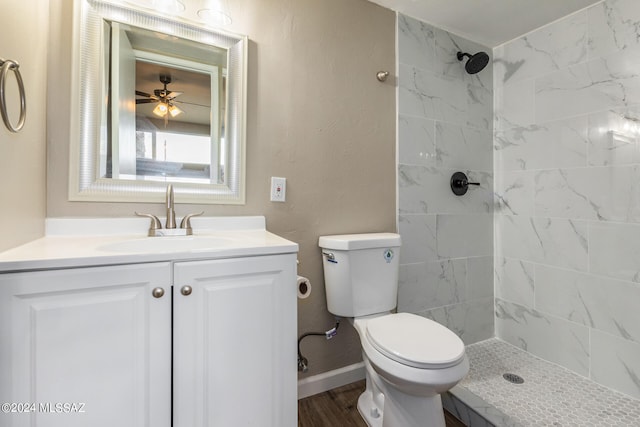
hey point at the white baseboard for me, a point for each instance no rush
(329, 380)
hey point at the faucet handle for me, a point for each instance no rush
(155, 222)
(186, 221)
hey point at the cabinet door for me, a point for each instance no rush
(235, 343)
(94, 337)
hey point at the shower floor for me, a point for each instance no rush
(549, 396)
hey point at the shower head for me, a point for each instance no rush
(475, 63)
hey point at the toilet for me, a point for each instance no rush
(409, 360)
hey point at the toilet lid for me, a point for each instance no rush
(415, 341)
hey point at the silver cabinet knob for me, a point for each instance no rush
(186, 290)
(157, 292)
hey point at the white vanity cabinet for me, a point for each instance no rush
(234, 342)
(106, 339)
(93, 337)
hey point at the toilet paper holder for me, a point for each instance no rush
(304, 287)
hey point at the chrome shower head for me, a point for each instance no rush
(475, 63)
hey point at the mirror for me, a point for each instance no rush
(158, 101)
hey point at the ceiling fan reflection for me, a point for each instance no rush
(165, 99)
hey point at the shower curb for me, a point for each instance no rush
(473, 411)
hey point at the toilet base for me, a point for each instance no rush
(382, 405)
(369, 412)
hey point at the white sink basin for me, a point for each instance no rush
(167, 244)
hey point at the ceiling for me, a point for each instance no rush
(488, 22)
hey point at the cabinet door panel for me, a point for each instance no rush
(234, 343)
(91, 336)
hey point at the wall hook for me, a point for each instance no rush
(382, 76)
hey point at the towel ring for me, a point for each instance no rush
(13, 66)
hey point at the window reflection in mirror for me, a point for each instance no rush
(120, 150)
(166, 108)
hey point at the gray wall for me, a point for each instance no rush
(316, 115)
(444, 125)
(568, 186)
(23, 155)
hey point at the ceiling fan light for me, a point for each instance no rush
(214, 12)
(161, 109)
(166, 6)
(174, 111)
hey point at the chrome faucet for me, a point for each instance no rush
(171, 213)
(155, 228)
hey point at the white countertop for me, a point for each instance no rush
(82, 242)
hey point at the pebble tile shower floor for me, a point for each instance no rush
(550, 394)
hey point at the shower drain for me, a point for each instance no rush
(513, 378)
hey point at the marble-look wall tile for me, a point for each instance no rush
(443, 98)
(615, 362)
(424, 46)
(428, 190)
(597, 193)
(427, 285)
(463, 148)
(423, 94)
(472, 321)
(559, 144)
(515, 193)
(614, 250)
(553, 241)
(514, 281)
(567, 184)
(534, 332)
(410, 284)
(417, 44)
(515, 105)
(433, 284)
(614, 137)
(613, 26)
(418, 141)
(479, 278)
(443, 108)
(418, 233)
(552, 47)
(462, 236)
(599, 303)
(596, 85)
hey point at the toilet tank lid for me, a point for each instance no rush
(347, 242)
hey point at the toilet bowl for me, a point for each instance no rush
(409, 360)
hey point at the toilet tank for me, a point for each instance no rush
(360, 273)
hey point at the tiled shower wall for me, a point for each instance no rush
(567, 165)
(444, 125)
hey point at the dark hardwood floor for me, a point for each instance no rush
(338, 408)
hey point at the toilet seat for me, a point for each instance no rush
(415, 341)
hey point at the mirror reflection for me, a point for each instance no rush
(167, 108)
(155, 100)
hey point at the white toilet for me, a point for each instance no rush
(409, 359)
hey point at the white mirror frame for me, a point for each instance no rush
(89, 102)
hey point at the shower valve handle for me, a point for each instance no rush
(460, 183)
(464, 183)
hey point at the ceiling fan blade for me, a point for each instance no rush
(191, 103)
(145, 101)
(140, 93)
(172, 95)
